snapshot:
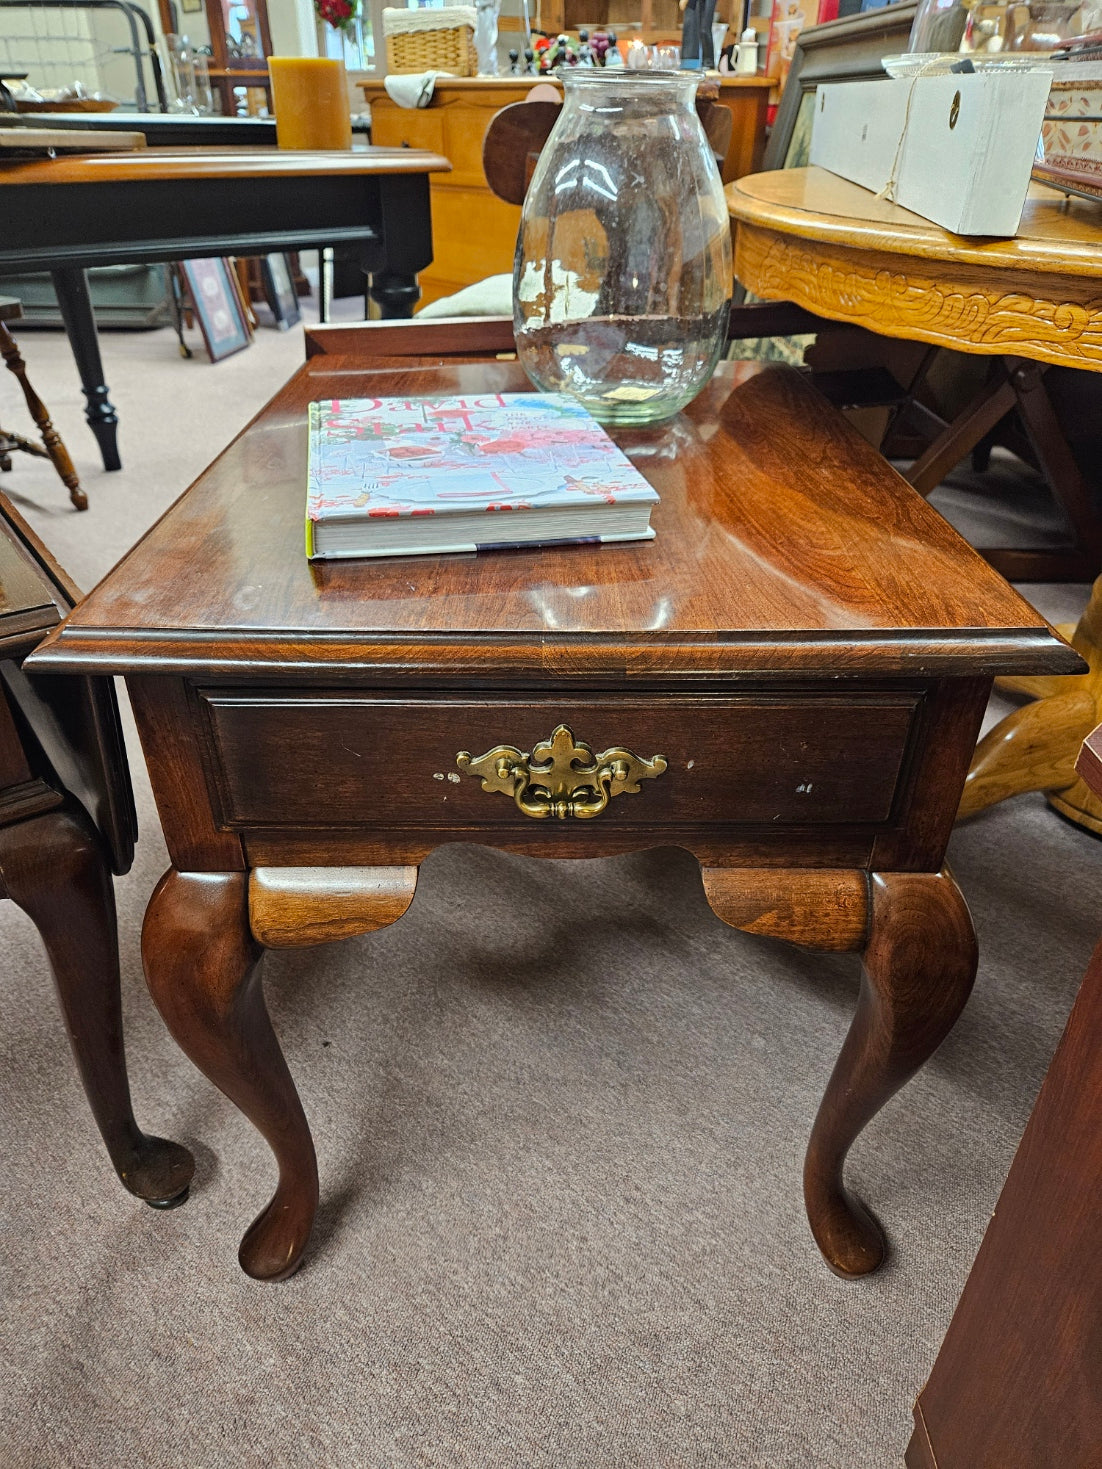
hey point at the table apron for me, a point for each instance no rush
(319, 777)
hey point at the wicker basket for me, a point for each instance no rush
(431, 40)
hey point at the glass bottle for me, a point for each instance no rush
(623, 276)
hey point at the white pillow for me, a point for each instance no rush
(491, 297)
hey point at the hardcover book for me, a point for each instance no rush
(414, 476)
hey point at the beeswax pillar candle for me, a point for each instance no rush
(310, 101)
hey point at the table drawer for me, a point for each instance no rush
(353, 760)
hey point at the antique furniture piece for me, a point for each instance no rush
(1035, 747)
(66, 823)
(1017, 1383)
(475, 232)
(787, 681)
(51, 447)
(241, 42)
(805, 236)
(64, 214)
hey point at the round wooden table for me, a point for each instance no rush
(806, 236)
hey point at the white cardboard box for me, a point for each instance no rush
(958, 148)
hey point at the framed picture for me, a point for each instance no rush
(190, 7)
(212, 286)
(279, 290)
(846, 50)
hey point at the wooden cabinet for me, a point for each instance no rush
(650, 20)
(474, 232)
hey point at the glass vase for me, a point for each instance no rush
(622, 280)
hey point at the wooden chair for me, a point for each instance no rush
(52, 447)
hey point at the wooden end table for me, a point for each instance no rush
(788, 682)
(66, 824)
(806, 236)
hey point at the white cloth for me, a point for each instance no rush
(412, 89)
(491, 297)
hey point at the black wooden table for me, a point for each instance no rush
(175, 204)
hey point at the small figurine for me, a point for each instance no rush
(514, 62)
(585, 55)
(529, 57)
(612, 55)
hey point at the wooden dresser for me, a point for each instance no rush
(474, 232)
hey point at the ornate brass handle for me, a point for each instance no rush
(561, 776)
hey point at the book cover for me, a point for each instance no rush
(496, 457)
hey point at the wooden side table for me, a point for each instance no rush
(788, 682)
(1018, 1381)
(806, 236)
(66, 823)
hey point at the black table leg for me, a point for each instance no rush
(71, 286)
(396, 294)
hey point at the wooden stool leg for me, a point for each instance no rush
(1035, 748)
(55, 448)
(201, 964)
(920, 963)
(53, 867)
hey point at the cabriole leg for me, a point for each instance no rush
(54, 868)
(201, 966)
(919, 966)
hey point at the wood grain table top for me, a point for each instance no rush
(1056, 234)
(219, 163)
(785, 545)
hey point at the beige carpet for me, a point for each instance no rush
(560, 1112)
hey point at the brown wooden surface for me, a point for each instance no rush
(290, 907)
(472, 338)
(217, 163)
(62, 140)
(808, 236)
(818, 909)
(805, 760)
(1018, 1380)
(733, 583)
(806, 643)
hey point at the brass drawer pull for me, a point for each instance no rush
(561, 777)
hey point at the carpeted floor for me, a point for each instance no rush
(560, 1111)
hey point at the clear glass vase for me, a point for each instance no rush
(622, 280)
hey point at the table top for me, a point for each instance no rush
(785, 545)
(160, 164)
(1056, 235)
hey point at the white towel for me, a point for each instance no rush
(412, 89)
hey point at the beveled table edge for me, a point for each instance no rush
(921, 240)
(473, 659)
